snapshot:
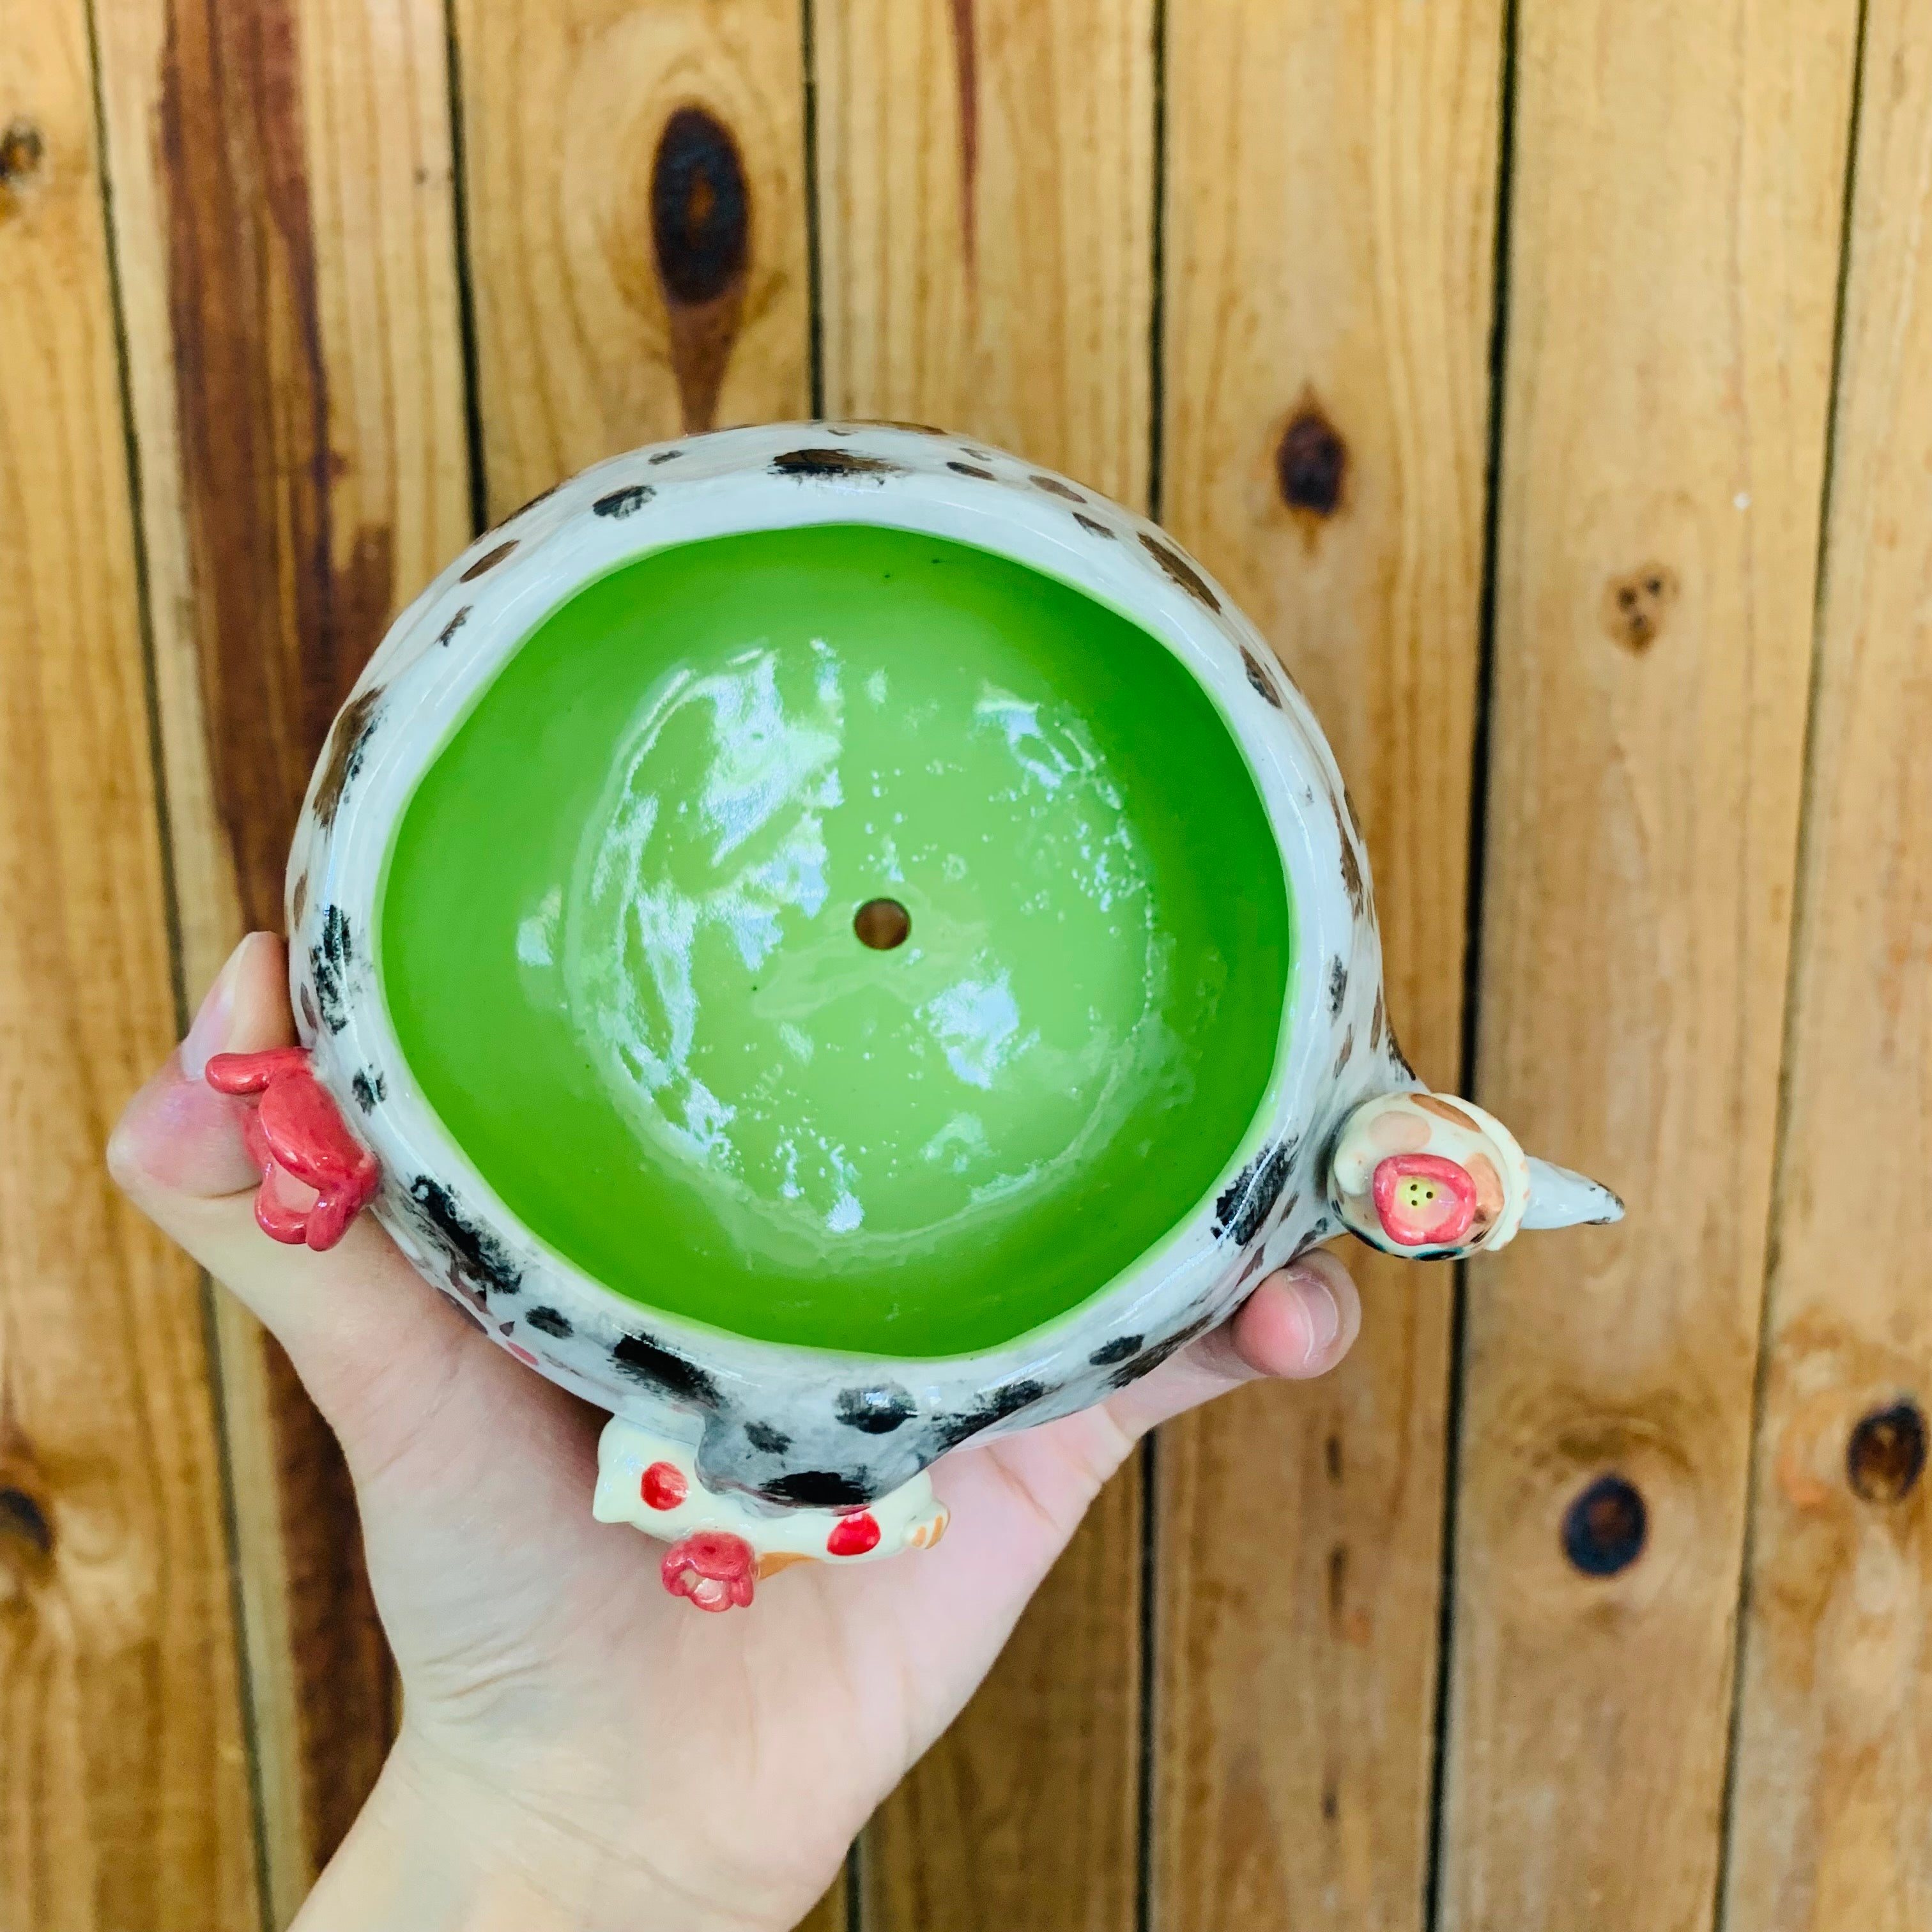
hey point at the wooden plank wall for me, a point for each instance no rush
(1671, 280)
(1548, 379)
(1834, 1751)
(124, 1796)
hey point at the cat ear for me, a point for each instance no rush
(1558, 1198)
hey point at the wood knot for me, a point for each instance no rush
(1311, 462)
(23, 1520)
(1634, 605)
(26, 1532)
(700, 237)
(1604, 1528)
(700, 209)
(1886, 1453)
(23, 152)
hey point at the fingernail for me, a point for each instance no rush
(209, 1033)
(1324, 1313)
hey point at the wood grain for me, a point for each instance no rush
(985, 217)
(124, 1784)
(1828, 1827)
(636, 225)
(986, 172)
(1330, 200)
(283, 187)
(1675, 214)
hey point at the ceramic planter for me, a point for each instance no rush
(804, 1429)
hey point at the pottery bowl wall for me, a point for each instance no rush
(800, 1425)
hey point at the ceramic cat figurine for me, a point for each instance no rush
(831, 942)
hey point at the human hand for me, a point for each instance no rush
(577, 1749)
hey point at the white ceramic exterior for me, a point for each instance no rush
(786, 1426)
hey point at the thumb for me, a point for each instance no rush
(353, 1319)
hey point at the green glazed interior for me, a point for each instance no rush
(618, 947)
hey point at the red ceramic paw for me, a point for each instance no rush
(714, 1568)
(295, 1133)
(1423, 1200)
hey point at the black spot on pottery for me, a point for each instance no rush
(834, 465)
(348, 743)
(1338, 986)
(665, 456)
(455, 624)
(1054, 487)
(1352, 881)
(624, 502)
(478, 1251)
(649, 1362)
(1178, 567)
(1244, 1206)
(1117, 1350)
(766, 1440)
(821, 1489)
(328, 962)
(1092, 525)
(369, 1088)
(971, 469)
(877, 1411)
(990, 1408)
(488, 561)
(1146, 1363)
(550, 1321)
(1259, 678)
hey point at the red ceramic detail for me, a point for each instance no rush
(714, 1568)
(523, 1354)
(853, 1535)
(663, 1487)
(294, 1131)
(1424, 1200)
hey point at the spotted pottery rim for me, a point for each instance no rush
(792, 1425)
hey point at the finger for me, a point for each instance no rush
(1298, 1323)
(1304, 1329)
(353, 1320)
